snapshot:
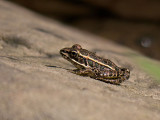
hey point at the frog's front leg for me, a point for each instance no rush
(82, 72)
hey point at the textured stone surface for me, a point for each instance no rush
(31, 90)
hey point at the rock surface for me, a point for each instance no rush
(36, 85)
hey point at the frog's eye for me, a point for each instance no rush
(73, 53)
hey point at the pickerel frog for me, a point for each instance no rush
(89, 64)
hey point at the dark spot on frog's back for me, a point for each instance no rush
(85, 61)
(102, 67)
(110, 73)
(96, 65)
(93, 56)
(108, 62)
(84, 52)
(90, 62)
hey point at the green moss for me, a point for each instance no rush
(150, 66)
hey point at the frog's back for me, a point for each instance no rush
(95, 61)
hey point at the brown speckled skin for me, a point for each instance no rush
(89, 64)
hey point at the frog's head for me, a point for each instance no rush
(71, 54)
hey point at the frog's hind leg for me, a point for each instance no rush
(116, 81)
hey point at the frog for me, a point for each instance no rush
(89, 64)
